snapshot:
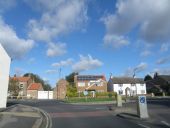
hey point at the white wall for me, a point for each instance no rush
(138, 89)
(4, 76)
(45, 94)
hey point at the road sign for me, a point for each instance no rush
(142, 99)
(85, 93)
(142, 107)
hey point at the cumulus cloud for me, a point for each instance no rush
(58, 17)
(163, 60)
(63, 63)
(137, 69)
(86, 63)
(19, 71)
(149, 18)
(115, 41)
(51, 71)
(56, 49)
(162, 71)
(6, 5)
(15, 46)
(165, 47)
(145, 53)
(31, 60)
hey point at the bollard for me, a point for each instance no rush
(142, 110)
(119, 101)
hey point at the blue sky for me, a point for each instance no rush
(87, 36)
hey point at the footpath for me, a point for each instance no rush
(21, 116)
(158, 115)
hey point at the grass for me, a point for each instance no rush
(89, 99)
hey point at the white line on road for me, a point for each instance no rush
(165, 123)
(144, 126)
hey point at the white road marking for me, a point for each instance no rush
(165, 123)
(144, 126)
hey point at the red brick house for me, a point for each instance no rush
(32, 90)
(90, 83)
(61, 89)
(23, 83)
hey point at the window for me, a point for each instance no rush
(142, 91)
(132, 85)
(81, 84)
(120, 92)
(21, 86)
(141, 84)
(120, 85)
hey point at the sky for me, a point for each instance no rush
(96, 37)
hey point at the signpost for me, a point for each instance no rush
(85, 93)
(5, 61)
(119, 101)
(142, 110)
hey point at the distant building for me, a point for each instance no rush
(22, 83)
(159, 82)
(127, 86)
(32, 90)
(61, 89)
(91, 83)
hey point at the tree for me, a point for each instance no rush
(147, 77)
(13, 87)
(71, 88)
(70, 77)
(37, 79)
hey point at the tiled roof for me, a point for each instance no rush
(21, 79)
(127, 80)
(165, 77)
(34, 86)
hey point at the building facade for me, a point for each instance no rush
(22, 83)
(60, 90)
(127, 86)
(32, 90)
(5, 61)
(159, 83)
(91, 83)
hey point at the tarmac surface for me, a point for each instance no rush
(57, 114)
(22, 116)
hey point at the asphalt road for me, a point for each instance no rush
(98, 116)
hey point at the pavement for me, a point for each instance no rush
(158, 115)
(23, 116)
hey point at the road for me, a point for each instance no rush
(97, 116)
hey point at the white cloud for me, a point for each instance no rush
(165, 47)
(19, 71)
(15, 46)
(63, 63)
(115, 41)
(162, 71)
(150, 19)
(56, 49)
(163, 60)
(51, 71)
(86, 63)
(145, 53)
(31, 60)
(58, 17)
(137, 69)
(6, 5)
